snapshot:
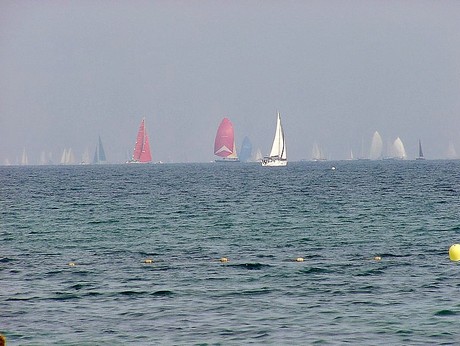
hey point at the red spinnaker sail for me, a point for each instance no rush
(224, 142)
(142, 147)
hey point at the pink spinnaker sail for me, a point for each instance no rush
(224, 144)
(142, 148)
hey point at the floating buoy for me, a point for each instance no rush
(71, 264)
(224, 259)
(333, 168)
(148, 260)
(454, 252)
(377, 258)
(299, 259)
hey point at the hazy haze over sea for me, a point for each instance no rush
(336, 70)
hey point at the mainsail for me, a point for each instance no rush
(376, 147)
(246, 150)
(278, 154)
(420, 151)
(99, 155)
(278, 146)
(141, 152)
(399, 152)
(224, 144)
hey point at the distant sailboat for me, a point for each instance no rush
(141, 152)
(246, 150)
(24, 158)
(278, 155)
(317, 153)
(420, 151)
(258, 157)
(451, 152)
(399, 152)
(376, 147)
(67, 158)
(99, 155)
(224, 143)
(351, 157)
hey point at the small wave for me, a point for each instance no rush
(254, 292)
(64, 296)
(6, 260)
(21, 299)
(371, 272)
(446, 313)
(131, 293)
(98, 222)
(251, 266)
(314, 270)
(162, 293)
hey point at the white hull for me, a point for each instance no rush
(274, 162)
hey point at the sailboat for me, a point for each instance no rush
(224, 144)
(24, 158)
(420, 151)
(317, 153)
(246, 150)
(99, 155)
(278, 156)
(68, 157)
(141, 152)
(376, 147)
(398, 150)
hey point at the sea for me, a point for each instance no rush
(133, 254)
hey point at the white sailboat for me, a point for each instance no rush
(399, 152)
(420, 151)
(278, 156)
(24, 158)
(376, 147)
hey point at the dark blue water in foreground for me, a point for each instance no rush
(109, 219)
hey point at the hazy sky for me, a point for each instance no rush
(336, 70)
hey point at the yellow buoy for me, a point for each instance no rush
(377, 258)
(299, 259)
(223, 259)
(72, 264)
(454, 252)
(148, 260)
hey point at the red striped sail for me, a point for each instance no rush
(224, 144)
(142, 148)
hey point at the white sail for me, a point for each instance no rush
(278, 147)
(64, 157)
(24, 158)
(399, 152)
(259, 155)
(376, 147)
(278, 154)
(451, 152)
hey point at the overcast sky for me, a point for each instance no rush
(336, 70)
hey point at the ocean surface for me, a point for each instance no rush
(107, 220)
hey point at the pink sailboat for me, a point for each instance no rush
(142, 152)
(224, 144)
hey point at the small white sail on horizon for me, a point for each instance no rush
(67, 157)
(376, 147)
(451, 152)
(258, 156)
(317, 153)
(398, 150)
(24, 158)
(420, 151)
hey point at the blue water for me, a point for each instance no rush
(109, 219)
